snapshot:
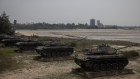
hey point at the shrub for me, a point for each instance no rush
(6, 60)
(73, 44)
(130, 54)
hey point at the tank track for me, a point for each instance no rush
(103, 65)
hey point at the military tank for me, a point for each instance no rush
(12, 42)
(4, 36)
(101, 58)
(28, 45)
(54, 49)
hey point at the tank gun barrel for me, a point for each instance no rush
(127, 46)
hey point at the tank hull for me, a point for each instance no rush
(54, 51)
(28, 45)
(97, 63)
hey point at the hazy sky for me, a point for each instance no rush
(116, 12)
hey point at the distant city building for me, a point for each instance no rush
(15, 22)
(99, 24)
(92, 22)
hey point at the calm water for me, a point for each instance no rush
(100, 34)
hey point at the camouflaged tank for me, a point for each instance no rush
(54, 49)
(101, 58)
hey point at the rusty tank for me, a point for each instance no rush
(101, 58)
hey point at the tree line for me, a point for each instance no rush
(51, 26)
(5, 25)
(61, 26)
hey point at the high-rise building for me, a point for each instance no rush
(92, 22)
(98, 23)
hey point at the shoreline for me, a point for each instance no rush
(96, 34)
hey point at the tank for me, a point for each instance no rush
(4, 36)
(55, 51)
(12, 42)
(101, 58)
(29, 45)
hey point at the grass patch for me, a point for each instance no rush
(73, 44)
(6, 59)
(130, 54)
(7, 51)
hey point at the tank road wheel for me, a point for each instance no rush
(45, 54)
(48, 54)
(102, 67)
(53, 54)
(89, 65)
(83, 66)
(115, 66)
(96, 67)
(65, 53)
(61, 54)
(121, 66)
(109, 67)
(42, 54)
(58, 54)
(69, 53)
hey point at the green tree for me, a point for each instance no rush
(5, 25)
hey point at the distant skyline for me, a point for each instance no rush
(109, 12)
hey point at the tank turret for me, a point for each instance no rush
(101, 50)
